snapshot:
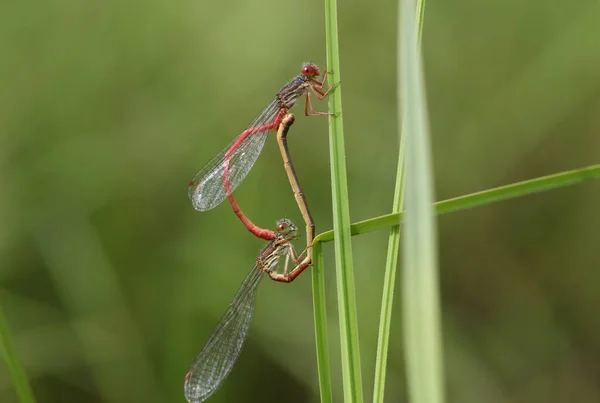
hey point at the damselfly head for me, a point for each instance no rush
(286, 227)
(310, 70)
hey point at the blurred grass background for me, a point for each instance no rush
(111, 282)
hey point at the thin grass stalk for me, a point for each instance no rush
(483, 198)
(391, 263)
(351, 371)
(389, 279)
(17, 373)
(320, 316)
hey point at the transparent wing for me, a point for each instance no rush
(207, 190)
(219, 354)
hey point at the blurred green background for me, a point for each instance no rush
(111, 281)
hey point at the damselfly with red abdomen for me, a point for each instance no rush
(222, 175)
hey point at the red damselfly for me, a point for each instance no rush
(222, 175)
(282, 132)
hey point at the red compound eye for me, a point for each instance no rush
(310, 70)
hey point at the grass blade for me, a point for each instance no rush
(482, 198)
(389, 279)
(17, 372)
(351, 371)
(320, 315)
(422, 337)
(391, 262)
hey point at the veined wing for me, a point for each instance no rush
(207, 190)
(214, 363)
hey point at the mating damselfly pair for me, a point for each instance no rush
(217, 180)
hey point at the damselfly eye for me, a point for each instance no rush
(310, 70)
(282, 226)
(285, 226)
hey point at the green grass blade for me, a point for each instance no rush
(389, 279)
(15, 368)
(351, 371)
(391, 263)
(482, 198)
(421, 307)
(520, 189)
(320, 314)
